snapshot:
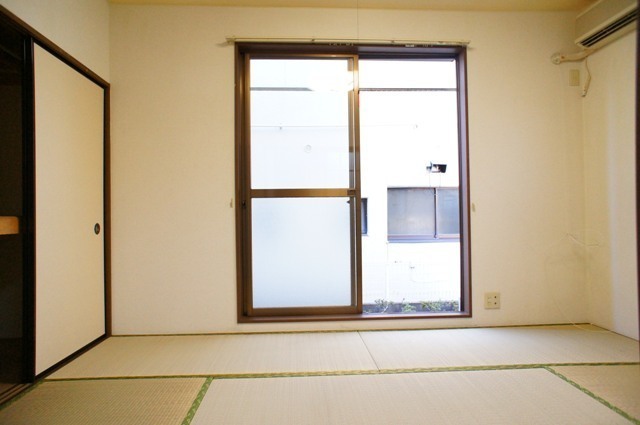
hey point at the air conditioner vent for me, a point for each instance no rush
(610, 29)
(605, 21)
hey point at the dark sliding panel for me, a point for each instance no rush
(15, 261)
(638, 165)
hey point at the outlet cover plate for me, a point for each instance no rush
(492, 300)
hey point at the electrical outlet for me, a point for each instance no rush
(491, 300)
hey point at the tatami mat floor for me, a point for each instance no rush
(198, 355)
(480, 397)
(524, 375)
(222, 355)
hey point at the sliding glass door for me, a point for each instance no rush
(352, 182)
(301, 201)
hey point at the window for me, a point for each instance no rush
(422, 214)
(320, 130)
(364, 216)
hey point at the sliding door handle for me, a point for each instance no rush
(9, 225)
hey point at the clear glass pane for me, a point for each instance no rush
(411, 213)
(301, 252)
(327, 74)
(435, 74)
(401, 133)
(300, 123)
(448, 212)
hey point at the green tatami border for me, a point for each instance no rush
(209, 378)
(616, 409)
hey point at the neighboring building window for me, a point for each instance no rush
(422, 214)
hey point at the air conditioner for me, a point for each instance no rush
(605, 21)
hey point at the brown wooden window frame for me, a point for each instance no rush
(245, 312)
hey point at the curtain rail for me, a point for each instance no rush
(347, 41)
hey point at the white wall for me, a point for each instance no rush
(80, 27)
(173, 161)
(609, 134)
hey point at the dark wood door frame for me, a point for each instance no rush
(638, 169)
(31, 37)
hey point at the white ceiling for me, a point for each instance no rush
(454, 5)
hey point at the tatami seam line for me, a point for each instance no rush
(332, 331)
(345, 372)
(209, 378)
(594, 396)
(548, 367)
(196, 402)
(371, 356)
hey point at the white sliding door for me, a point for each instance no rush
(70, 284)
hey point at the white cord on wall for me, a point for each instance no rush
(583, 55)
(558, 58)
(585, 88)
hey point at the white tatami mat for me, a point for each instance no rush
(221, 355)
(348, 351)
(498, 346)
(533, 396)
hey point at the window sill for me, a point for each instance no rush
(352, 317)
(432, 240)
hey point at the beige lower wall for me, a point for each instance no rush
(173, 161)
(609, 133)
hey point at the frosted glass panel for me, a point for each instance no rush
(300, 158)
(301, 252)
(300, 123)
